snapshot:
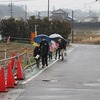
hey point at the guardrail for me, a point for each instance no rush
(24, 59)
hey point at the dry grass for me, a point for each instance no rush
(87, 38)
(14, 47)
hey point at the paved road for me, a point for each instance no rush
(75, 78)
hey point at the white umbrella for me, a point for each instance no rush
(55, 36)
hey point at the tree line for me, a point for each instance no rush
(22, 29)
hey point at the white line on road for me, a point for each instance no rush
(92, 84)
(39, 73)
(77, 89)
(70, 50)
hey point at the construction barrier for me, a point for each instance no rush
(14, 71)
(2, 81)
(19, 70)
(10, 77)
(12, 60)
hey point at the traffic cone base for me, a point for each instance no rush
(2, 81)
(19, 71)
(10, 77)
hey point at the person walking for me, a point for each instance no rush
(51, 50)
(57, 51)
(62, 47)
(44, 47)
(36, 54)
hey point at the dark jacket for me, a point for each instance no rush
(36, 51)
(44, 46)
(62, 45)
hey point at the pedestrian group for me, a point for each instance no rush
(45, 51)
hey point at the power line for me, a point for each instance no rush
(84, 6)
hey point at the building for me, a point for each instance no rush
(91, 18)
(61, 15)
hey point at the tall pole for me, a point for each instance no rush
(11, 9)
(48, 8)
(35, 29)
(25, 12)
(72, 28)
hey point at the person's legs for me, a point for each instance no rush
(62, 54)
(51, 55)
(46, 60)
(38, 62)
(43, 61)
(56, 54)
(59, 53)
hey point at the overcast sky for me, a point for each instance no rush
(41, 5)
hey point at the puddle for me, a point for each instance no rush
(49, 80)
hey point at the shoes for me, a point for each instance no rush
(42, 66)
(37, 66)
(46, 64)
(62, 59)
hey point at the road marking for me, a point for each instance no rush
(76, 89)
(92, 84)
(39, 72)
(43, 69)
(98, 80)
(70, 50)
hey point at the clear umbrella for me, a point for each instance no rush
(55, 36)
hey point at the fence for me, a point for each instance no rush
(11, 67)
(24, 57)
(6, 50)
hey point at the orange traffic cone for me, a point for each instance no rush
(2, 81)
(19, 70)
(10, 77)
(12, 60)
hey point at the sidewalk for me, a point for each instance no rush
(12, 94)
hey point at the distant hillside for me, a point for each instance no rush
(17, 11)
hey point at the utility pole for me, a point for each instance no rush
(25, 12)
(39, 15)
(72, 24)
(48, 8)
(96, 0)
(11, 9)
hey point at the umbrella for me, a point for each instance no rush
(64, 40)
(57, 40)
(55, 36)
(38, 38)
